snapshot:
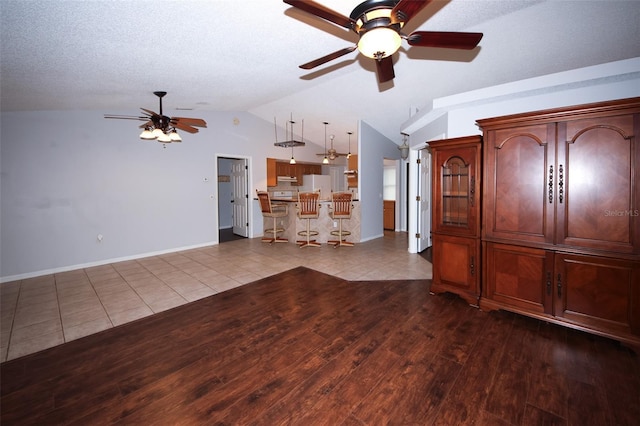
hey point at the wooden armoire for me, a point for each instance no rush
(455, 228)
(561, 217)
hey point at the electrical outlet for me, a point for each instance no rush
(335, 224)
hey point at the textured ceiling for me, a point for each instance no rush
(231, 55)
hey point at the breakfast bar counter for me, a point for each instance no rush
(324, 224)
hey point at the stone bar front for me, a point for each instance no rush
(324, 224)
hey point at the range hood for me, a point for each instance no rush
(287, 179)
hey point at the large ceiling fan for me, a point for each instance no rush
(160, 127)
(378, 24)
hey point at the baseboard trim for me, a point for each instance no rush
(101, 262)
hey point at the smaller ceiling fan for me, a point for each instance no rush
(332, 154)
(160, 127)
(378, 25)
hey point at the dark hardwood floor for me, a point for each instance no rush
(306, 348)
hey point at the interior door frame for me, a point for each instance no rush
(249, 179)
(419, 200)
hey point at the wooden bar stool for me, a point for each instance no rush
(341, 208)
(272, 211)
(308, 208)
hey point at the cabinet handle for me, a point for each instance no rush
(550, 184)
(560, 184)
(548, 283)
(559, 285)
(473, 265)
(472, 190)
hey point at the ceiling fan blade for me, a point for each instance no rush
(450, 40)
(147, 124)
(125, 117)
(184, 127)
(327, 58)
(322, 12)
(189, 121)
(148, 111)
(407, 9)
(384, 67)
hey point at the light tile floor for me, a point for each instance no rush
(41, 312)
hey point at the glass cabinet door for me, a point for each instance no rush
(455, 193)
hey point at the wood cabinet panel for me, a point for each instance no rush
(518, 163)
(600, 292)
(272, 176)
(456, 266)
(389, 214)
(283, 168)
(352, 179)
(597, 209)
(517, 277)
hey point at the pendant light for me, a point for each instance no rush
(404, 148)
(325, 160)
(293, 160)
(349, 153)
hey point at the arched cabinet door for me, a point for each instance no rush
(456, 185)
(520, 179)
(596, 208)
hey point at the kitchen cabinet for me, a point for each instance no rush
(389, 214)
(352, 177)
(560, 220)
(277, 168)
(272, 177)
(456, 165)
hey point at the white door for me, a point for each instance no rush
(240, 197)
(424, 200)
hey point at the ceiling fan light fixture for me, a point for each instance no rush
(325, 160)
(156, 133)
(174, 136)
(379, 43)
(147, 134)
(164, 138)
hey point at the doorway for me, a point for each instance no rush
(390, 194)
(419, 188)
(233, 198)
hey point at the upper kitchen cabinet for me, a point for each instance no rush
(352, 176)
(282, 168)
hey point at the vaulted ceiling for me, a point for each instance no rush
(231, 55)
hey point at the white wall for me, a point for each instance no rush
(372, 150)
(67, 176)
(456, 115)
